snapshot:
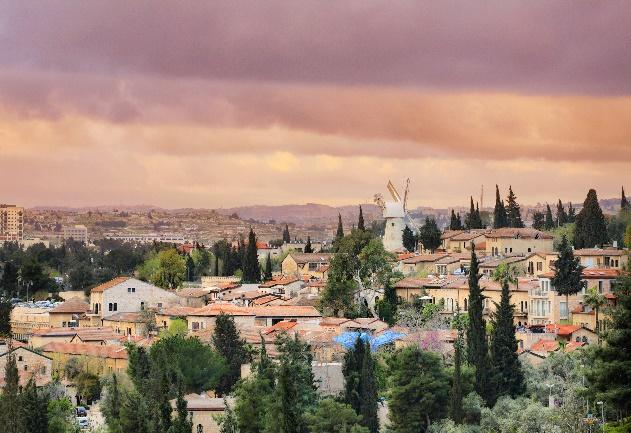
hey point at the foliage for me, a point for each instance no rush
(182, 422)
(455, 223)
(561, 214)
(228, 422)
(267, 274)
(88, 386)
(72, 368)
(500, 219)
(516, 416)
(409, 240)
(339, 233)
(477, 346)
(513, 213)
(286, 236)
(134, 414)
(567, 279)
(419, 390)
(360, 220)
(360, 388)
(596, 301)
(251, 267)
(176, 327)
(387, 307)
(472, 219)
(330, 416)
(228, 343)
(618, 225)
(5, 317)
(611, 373)
(455, 406)
(430, 234)
(538, 221)
(60, 416)
(112, 403)
(171, 270)
(591, 229)
(549, 223)
(567, 230)
(33, 409)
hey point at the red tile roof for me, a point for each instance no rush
(421, 258)
(563, 330)
(282, 326)
(545, 346)
(217, 308)
(111, 283)
(286, 311)
(600, 252)
(74, 305)
(278, 282)
(265, 299)
(573, 345)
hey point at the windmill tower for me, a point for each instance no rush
(397, 217)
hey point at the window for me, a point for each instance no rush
(110, 307)
(529, 250)
(131, 290)
(19, 358)
(115, 306)
(25, 367)
(539, 266)
(142, 305)
(159, 304)
(466, 306)
(600, 286)
(200, 428)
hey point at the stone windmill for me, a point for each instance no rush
(397, 217)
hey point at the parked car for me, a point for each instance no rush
(81, 412)
(83, 422)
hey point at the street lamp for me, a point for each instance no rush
(602, 410)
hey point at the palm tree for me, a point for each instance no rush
(596, 301)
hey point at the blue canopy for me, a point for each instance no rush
(348, 339)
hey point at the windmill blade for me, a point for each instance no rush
(393, 192)
(405, 195)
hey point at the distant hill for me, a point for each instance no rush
(310, 213)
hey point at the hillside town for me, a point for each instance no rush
(83, 314)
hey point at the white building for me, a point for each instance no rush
(78, 233)
(394, 214)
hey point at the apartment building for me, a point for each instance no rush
(78, 233)
(11, 222)
(512, 241)
(610, 258)
(310, 265)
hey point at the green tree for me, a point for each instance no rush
(455, 223)
(430, 234)
(571, 213)
(627, 236)
(134, 415)
(308, 248)
(591, 229)
(61, 417)
(10, 399)
(455, 406)
(33, 412)
(138, 366)
(330, 416)
(201, 261)
(171, 270)
(251, 266)
(596, 301)
(509, 377)
(561, 215)
(267, 275)
(360, 220)
(88, 386)
(387, 307)
(227, 341)
(286, 236)
(500, 219)
(182, 422)
(477, 345)
(549, 223)
(112, 403)
(339, 234)
(624, 203)
(360, 387)
(409, 240)
(538, 221)
(295, 390)
(228, 422)
(5, 317)
(473, 219)
(567, 273)
(513, 213)
(9, 280)
(419, 390)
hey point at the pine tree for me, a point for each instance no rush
(360, 221)
(308, 248)
(33, 413)
(624, 203)
(567, 273)
(561, 215)
(591, 229)
(499, 213)
(251, 267)
(286, 236)
(182, 422)
(509, 377)
(430, 234)
(455, 223)
(477, 346)
(538, 220)
(10, 400)
(409, 240)
(549, 224)
(513, 214)
(228, 421)
(268, 268)
(611, 372)
(138, 366)
(227, 341)
(455, 407)
(571, 214)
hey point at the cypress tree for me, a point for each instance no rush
(571, 214)
(513, 213)
(5, 317)
(567, 273)
(182, 422)
(353, 360)
(286, 236)
(10, 400)
(538, 220)
(227, 341)
(162, 403)
(409, 240)
(111, 406)
(368, 393)
(430, 234)
(611, 372)
(477, 345)
(478, 216)
(459, 222)
(251, 267)
(455, 407)
(138, 366)
(216, 265)
(308, 248)
(134, 416)
(360, 221)
(624, 203)
(509, 377)
(470, 219)
(499, 213)
(591, 229)
(268, 268)
(33, 413)
(561, 215)
(455, 223)
(339, 234)
(549, 224)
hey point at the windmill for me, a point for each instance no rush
(396, 215)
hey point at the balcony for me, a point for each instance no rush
(538, 293)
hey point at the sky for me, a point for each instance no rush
(238, 102)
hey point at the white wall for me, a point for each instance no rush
(130, 302)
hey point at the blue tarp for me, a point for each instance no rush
(348, 339)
